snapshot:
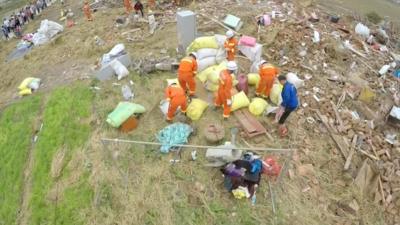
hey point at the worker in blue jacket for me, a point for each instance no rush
(289, 103)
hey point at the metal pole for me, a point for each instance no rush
(197, 146)
(272, 200)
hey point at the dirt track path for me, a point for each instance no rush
(24, 212)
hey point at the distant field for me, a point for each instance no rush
(7, 7)
(382, 7)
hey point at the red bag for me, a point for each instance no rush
(270, 167)
(243, 84)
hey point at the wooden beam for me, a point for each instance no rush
(338, 118)
(340, 144)
(352, 150)
(369, 155)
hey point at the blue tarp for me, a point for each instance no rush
(172, 135)
(20, 51)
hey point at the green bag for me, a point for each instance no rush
(122, 112)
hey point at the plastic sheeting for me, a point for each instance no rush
(48, 29)
(253, 53)
(172, 135)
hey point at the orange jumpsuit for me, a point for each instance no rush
(224, 92)
(267, 77)
(186, 73)
(151, 4)
(230, 47)
(87, 12)
(177, 98)
(128, 6)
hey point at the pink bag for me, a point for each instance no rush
(267, 20)
(247, 41)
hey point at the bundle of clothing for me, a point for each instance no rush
(242, 176)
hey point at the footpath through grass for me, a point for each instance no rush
(16, 123)
(66, 126)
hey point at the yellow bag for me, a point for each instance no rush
(211, 86)
(25, 91)
(203, 75)
(202, 42)
(240, 100)
(366, 95)
(257, 106)
(234, 80)
(196, 109)
(214, 75)
(253, 78)
(275, 94)
(25, 83)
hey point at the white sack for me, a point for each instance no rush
(221, 55)
(34, 84)
(252, 53)
(295, 80)
(119, 69)
(220, 40)
(206, 52)
(362, 30)
(205, 63)
(117, 49)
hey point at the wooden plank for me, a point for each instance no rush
(369, 155)
(338, 118)
(352, 150)
(340, 143)
(250, 124)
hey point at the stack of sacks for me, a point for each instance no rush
(210, 51)
(206, 49)
(250, 48)
(28, 85)
(210, 77)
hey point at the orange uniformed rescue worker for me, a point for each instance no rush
(176, 97)
(87, 11)
(268, 74)
(128, 6)
(224, 96)
(230, 45)
(151, 4)
(186, 73)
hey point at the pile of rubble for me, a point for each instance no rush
(351, 88)
(350, 91)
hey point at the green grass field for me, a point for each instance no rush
(65, 127)
(16, 130)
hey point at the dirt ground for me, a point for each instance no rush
(314, 190)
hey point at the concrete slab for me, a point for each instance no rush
(107, 72)
(186, 29)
